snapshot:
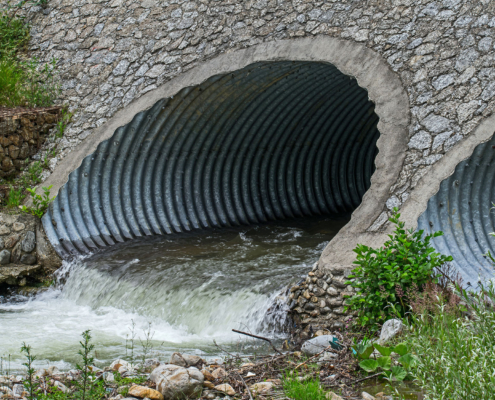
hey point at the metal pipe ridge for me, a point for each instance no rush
(462, 210)
(271, 141)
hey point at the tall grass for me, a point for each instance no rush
(23, 82)
(27, 83)
(14, 34)
(455, 350)
(296, 389)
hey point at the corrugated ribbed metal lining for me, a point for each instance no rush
(274, 140)
(462, 210)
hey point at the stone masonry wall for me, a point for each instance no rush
(318, 300)
(22, 132)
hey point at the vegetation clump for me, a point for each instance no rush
(40, 202)
(24, 81)
(385, 275)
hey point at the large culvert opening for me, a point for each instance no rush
(272, 141)
(242, 180)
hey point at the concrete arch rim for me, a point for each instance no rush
(370, 69)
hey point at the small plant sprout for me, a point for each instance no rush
(147, 343)
(29, 383)
(87, 374)
(132, 336)
(40, 202)
(15, 197)
(65, 119)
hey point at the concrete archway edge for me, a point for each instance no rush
(370, 70)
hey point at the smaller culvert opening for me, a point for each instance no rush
(272, 141)
(462, 210)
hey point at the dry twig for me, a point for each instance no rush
(257, 337)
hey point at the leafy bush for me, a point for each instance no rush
(40, 203)
(455, 358)
(384, 276)
(386, 365)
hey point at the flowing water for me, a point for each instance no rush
(192, 288)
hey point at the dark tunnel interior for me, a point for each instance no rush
(272, 141)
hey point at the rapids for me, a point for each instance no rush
(193, 289)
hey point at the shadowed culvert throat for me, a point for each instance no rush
(272, 141)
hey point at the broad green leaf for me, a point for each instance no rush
(384, 351)
(407, 360)
(369, 365)
(384, 362)
(364, 350)
(401, 349)
(398, 373)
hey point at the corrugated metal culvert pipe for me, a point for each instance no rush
(462, 210)
(274, 140)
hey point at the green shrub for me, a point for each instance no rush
(384, 276)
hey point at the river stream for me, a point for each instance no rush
(192, 289)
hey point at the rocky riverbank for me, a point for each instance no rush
(190, 376)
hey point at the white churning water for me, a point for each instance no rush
(193, 288)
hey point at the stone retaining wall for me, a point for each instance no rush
(22, 132)
(111, 53)
(318, 300)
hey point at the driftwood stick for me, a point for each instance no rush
(247, 387)
(257, 337)
(225, 351)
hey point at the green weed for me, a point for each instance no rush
(15, 197)
(65, 119)
(14, 34)
(455, 358)
(23, 82)
(297, 389)
(40, 202)
(29, 382)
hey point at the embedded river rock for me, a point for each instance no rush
(25, 253)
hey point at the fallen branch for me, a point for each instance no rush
(247, 387)
(230, 354)
(257, 337)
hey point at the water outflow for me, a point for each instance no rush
(193, 288)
